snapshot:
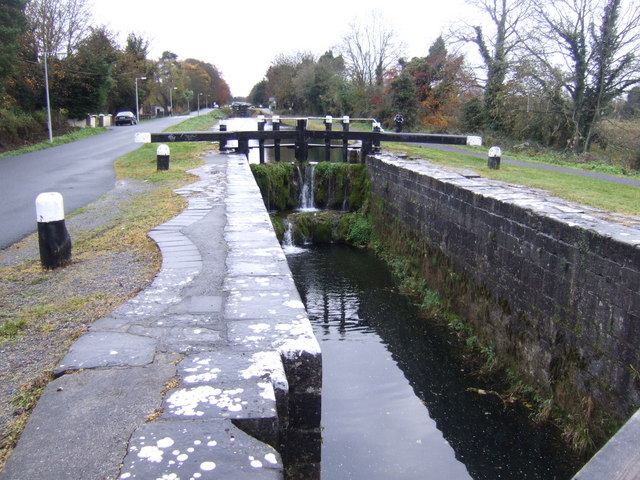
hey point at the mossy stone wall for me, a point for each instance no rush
(552, 286)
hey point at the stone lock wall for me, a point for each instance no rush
(564, 281)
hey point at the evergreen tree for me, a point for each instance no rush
(404, 98)
(88, 75)
(12, 24)
(258, 95)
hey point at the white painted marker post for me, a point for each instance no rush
(163, 154)
(493, 162)
(53, 237)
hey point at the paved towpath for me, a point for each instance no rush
(187, 379)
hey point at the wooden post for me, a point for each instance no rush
(223, 128)
(162, 157)
(275, 124)
(301, 147)
(243, 146)
(345, 142)
(376, 140)
(53, 238)
(365, 150)
(261, 124)
(328, 120)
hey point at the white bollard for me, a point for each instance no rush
(162, 158)
(53, 237)
(493, 162)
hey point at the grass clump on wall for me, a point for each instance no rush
(275, 181)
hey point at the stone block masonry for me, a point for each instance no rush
(552, 285)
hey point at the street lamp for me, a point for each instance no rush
(46, 87)
(137, 105)
(199, 95)
(171, 100)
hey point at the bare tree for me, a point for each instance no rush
(77, 22)
(369, 50)
(588, 47)
(58, 25)
(497, 46)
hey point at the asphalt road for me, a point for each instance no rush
(81, 171)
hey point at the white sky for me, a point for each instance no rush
(242, 37)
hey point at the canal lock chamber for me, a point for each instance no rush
(488, 435)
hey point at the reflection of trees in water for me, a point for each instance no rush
(348, 292)
(329, 289)
(330, 309)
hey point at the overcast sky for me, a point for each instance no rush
(242, 37)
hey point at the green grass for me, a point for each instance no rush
(199, 122)
(563, 159)
(584, 190)
(68, 138)
(11, 328)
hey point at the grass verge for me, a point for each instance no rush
(565, 160)
(62, 139)
(584, 190)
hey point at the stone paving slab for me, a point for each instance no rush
(182, 339)
(108, 349)
(82, 424)
(261, 305)
(199, 449)
(228, 366)
(219, 399)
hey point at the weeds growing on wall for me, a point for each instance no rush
(275, 181)
(450, 297)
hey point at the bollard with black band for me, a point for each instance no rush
(163, 156)
(376, 140)
(53, 237)
(493, 162)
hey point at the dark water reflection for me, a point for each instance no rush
(396, 400)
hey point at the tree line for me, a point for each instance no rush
(550, 71)
(88, 72)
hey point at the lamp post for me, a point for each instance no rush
(46, 87)
(137, 105)
(199, 95)
(171, 100)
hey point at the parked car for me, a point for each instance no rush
(125, 118)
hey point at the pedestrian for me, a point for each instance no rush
(398, 120)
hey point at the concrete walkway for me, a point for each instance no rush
(206, 373)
